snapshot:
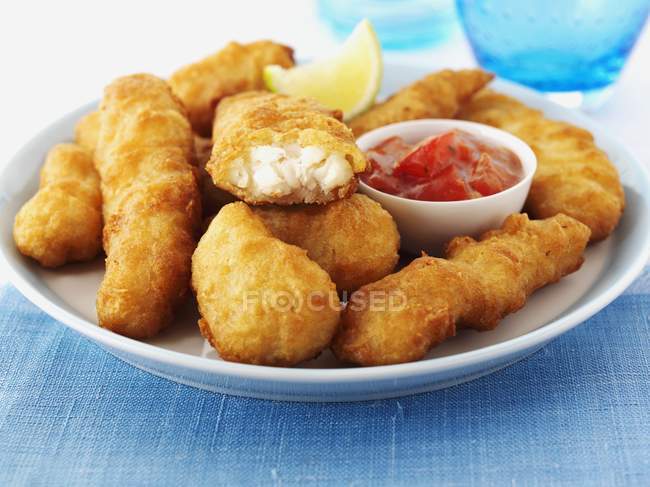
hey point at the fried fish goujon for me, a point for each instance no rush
(86, 132)
(235, 68)
(262, 301)
(63, 221)
(151, 205)
(438, 95)
(212, 198)
(573, 175)
(480, 283)
(354, 239)
(271, 148)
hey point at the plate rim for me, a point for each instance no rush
(423, 367)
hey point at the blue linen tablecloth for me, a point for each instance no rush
(575, 413)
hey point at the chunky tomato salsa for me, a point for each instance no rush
(451, 166)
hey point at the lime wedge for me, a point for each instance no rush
(348, 81)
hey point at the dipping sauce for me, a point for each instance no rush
(451, 166)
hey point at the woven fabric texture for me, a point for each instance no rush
(575, 413)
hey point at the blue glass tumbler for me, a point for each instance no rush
(400, 24)
(570, 47)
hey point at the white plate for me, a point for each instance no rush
(180, 354)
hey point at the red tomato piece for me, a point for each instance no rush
(384, 183)
(446, 186)
(428, 158)
(486, 179)
(381, 179)
(466, 153)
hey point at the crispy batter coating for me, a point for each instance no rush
(257, 119)
(63, 221)
(86, 132)
(202, 150)
(151, 205)
(233, 69)
(262, 301)
(401, 317)
(438, 95)
(330, 234)
(573, 176)
(212, 198)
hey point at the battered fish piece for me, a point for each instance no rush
(438, 95)
(331, 236)
(262, 301)
(401, 317)
(212, 198)
(278, 149)
(63, 221)
(235, 68)
(151, 205)
(202, 150)
(86, 132)
(573, 175)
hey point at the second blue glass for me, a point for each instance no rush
(554, 45)
(400, 24)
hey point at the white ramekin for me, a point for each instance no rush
(428, 225)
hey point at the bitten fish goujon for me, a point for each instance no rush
(438, 95)
(261, 300)
(63, 221)
(233, 69)
(573, 175)
(271, 148)
(151, 205)
(330, 234)
(480, 283)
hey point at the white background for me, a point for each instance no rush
(57, 55)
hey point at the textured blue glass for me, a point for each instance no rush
(400, 24)
(554, 45)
